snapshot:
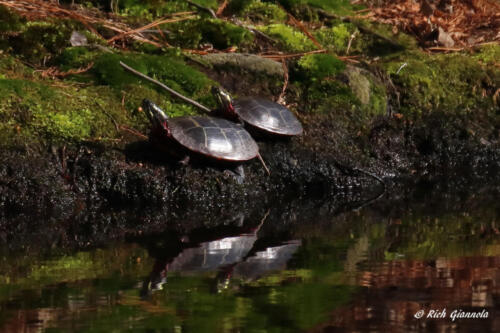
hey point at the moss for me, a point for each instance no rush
(170, 70)
(336, 38)
(488, 54)
(264, 12)
(39, 42)
(291, 40)
(328, 96)
(340, 7)
(454, 82)
(219, 33)
(9, 21)
(318, 66)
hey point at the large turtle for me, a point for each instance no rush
(212, 137)
(259, 113)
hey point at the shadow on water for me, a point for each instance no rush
(322, 265)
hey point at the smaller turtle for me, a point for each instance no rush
(259, 113)
(211, 137)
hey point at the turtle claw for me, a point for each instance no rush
(184, 161)
(238, 173)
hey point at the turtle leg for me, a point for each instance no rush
(238, 173)
(184, 161)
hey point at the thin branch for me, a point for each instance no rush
(359, 26)
(291, 55)
(117, 126)
(133, 131)
(285, 83)
(299, 25)
(205, 9)
(221, 8)
(170, 90)
(263, 164)
(148, 26)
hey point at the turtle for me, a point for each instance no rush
(259, 113)
(216, 138)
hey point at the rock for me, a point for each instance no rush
(248, 62)
(78, 39)
(445, 39)
(359, 83)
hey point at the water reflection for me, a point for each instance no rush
(298, 269)
(240, 256)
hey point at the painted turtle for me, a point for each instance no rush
(260, 113)
(216, 138)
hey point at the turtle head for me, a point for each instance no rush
(155, 114)
(224, 100)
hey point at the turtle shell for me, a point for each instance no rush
(267, 115)
(214, 137)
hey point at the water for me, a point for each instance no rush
(306, 269)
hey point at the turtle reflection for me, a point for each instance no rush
(238, 255)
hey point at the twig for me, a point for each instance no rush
(359, 26)
(263, 164)
(221, 8)
(117, 126)
(285, 83)
(133, 131)
(170, 90)
(299, 25)
(363, 10)
(54, 72)
(351, 59)
(148, 26)
(445, 49)
(141, 39)
(252, 30)
(291, 55)
(353, 35)
(205, 9)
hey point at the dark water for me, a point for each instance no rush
(308, 269)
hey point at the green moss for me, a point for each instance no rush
(9, 21)
(340, 7)
(319, 66)
(219, 33)
(39, 42)
(336, 38)
(264, 12)
(291, 40)
(454, 82)
(328, 96)
(488, 54)
(170, 70)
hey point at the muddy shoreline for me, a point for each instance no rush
(87, 195)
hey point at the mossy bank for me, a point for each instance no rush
(69, 116)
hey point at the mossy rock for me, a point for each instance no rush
(370, 93)
(248, 63)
